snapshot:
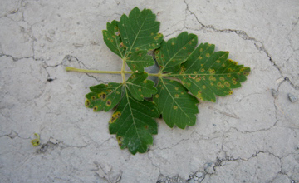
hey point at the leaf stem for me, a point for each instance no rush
(158, 74)
(123, 70)
(73, 69)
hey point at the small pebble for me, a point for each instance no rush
(292, 97)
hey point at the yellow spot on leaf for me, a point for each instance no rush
(115, 116)
(172, 43)
(157, 95)
(199, 57)
(211, 83)
(87, 103)
(211, 71)
(218, 61)
(207, 55)
(95, 108)
(184, 48)
(198, 79)
(93, 97)
(202, 70)
(221, 78)
(201, 49)
(176, 95)
(108, 103)
(117, 92)
(175, 107)
(230, 92)
(229, 69)
(152, 34)
(176, 88)
(102, 96)
(199, 95)
(226, 84)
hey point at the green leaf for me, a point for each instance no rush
(107, 96)
(112, 38)
(133, 123)
(175, 51)
(175, 104)
(133, 37)
(207, 74)
(139, 31)
(104, 96)
(138, 60)
(187, 73)
(139, 87)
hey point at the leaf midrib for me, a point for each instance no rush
(169, 61)
(174, 99)
(131, 46)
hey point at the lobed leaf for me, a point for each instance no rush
(175, 51)
(175, 104)
(133, 123)
(139, 87)
(112, 38)
(138, 60)
(139, 31)
(207, 74)
(193, 73)
(133, 37)
(104, 96)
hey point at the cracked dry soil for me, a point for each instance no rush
(251, 136)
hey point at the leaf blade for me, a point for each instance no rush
(139, 31)
(104, 96)
(175, 104)
(140, 87)
(207, 74)
(133, 123)
(112, 38)
(175, 51)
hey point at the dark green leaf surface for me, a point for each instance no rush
(133, 37)
(139, 87)
(175, 51)
(104, 96)
(187, 73)
(133, 123)
(139, 31)
(112, 38)
(175, 104)
(138, 60)
(208, 74)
